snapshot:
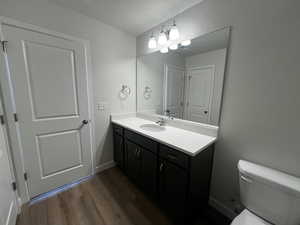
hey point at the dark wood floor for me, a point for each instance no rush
(108, 199)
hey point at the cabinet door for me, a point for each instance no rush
(133, 162)
(118, 150)
(172, 188)
(148, 172)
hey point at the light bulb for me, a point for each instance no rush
(174, 33)
(152, 43)
(162, 38)
(164, 50)
(173, 46)
(186, 42)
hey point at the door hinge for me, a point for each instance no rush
(25, 176)
(2, 121)
(16, 117)
(14, 186)
(3, 44)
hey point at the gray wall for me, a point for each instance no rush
(261, 106)
(113, 59)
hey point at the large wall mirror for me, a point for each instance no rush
(186, 83)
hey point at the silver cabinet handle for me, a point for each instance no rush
(161, 167)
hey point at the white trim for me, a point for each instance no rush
(219, 206)
(8, 99)
(12, 215)
(19, 202)
(105, 166)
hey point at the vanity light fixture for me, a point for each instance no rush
(174, 32)
(152, 42)
(162, 38)
(173, 46)
(164, 50)
(167, 39)
(186, 42)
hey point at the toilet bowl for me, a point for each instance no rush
(269, 196)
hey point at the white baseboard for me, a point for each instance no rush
(19, 202)
(222, 208)
(104, 166)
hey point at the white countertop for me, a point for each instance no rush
(186, 141)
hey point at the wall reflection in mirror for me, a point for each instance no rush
(185, 83)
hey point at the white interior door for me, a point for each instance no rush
(49, 80)
(174, 90)
(8, 202)
(199, 93)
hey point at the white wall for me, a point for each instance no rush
(261, 107)
(112, 52)
(218, 59)
(150, 72)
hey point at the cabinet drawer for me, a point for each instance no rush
(141, 140)
(118, 129)
(174, 156)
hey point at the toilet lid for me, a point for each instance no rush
(248, 218)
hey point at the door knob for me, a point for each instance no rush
(205, 112)
(84, 122)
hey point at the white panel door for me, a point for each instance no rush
(8, 203)
(49, 81)
(174, 90)
(199, 93)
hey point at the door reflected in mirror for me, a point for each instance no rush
(185, 83)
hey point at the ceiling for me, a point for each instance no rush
(132, 16)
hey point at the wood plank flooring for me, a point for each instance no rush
(109, 198)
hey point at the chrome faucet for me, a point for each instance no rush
(169, 114)
(161, 121)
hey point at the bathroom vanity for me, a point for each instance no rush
(167, 146)
(171, 165)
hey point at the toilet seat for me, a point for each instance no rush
(248, 218)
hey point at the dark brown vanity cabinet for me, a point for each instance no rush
(141, 161)
(173, 184)
(119, 147)
(179, 182)
(141, 166)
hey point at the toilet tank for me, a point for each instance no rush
(270, 194)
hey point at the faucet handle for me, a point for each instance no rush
(161, 121)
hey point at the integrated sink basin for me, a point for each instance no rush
(152, 127)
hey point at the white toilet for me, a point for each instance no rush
(270, 196)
